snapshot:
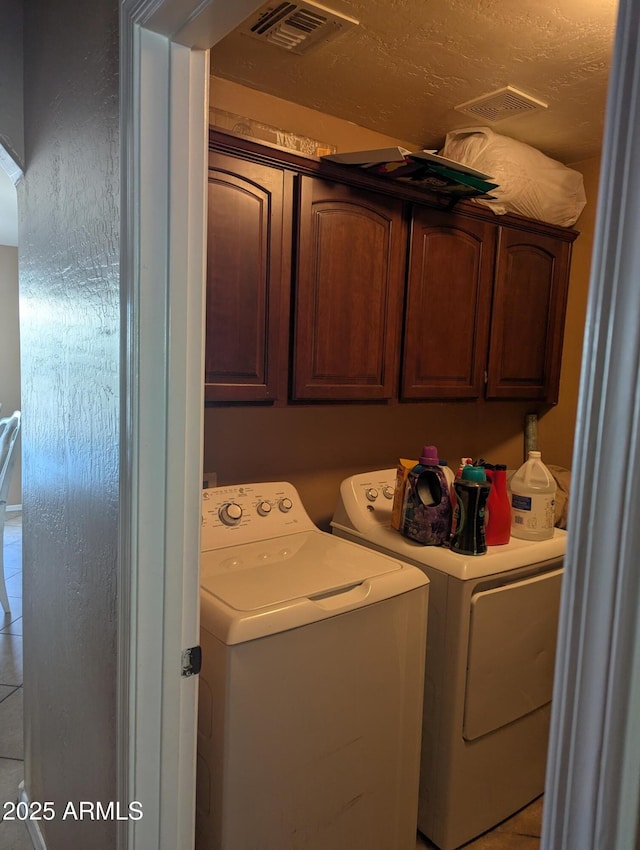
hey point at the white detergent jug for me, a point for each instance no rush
(533, 500)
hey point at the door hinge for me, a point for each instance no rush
(486, 377)
(191, 661)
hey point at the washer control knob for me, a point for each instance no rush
(230, 513)
(285, 505)
(387, 491)
(264, 508)
(371, 493)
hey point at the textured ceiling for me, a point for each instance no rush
(410, 62)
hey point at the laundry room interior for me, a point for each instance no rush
(306, 384)
(371, 336)
(317, 445)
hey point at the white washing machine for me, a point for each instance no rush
(311, 688)
(491, 640)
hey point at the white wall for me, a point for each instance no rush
(10, 350)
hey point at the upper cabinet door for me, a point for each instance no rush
(349, 292)
(450, 281)
(530, 300)
(248, 273)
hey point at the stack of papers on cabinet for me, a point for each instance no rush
(423, 169)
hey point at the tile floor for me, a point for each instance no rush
(13, 835)
(520, 832)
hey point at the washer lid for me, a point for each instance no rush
(275, 572)
(258, 589)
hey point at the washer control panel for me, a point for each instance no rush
(375, 489)
(379, 493)
(367, 499)
(243, 513)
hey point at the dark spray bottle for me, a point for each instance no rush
(472, 492)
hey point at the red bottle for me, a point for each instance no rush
(498, 527)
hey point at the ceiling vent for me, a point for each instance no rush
(501, 104)
(297, 27)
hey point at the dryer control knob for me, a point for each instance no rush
(285, 505)
(264, 508)
(387, 491)
(372, 494)
(230, 513)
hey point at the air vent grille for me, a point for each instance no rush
(501, 104)
(297, 27)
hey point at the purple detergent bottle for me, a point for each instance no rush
(426, 514)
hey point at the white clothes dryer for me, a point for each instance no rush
(311, 688)
(491, 641)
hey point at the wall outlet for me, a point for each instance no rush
(209, 479)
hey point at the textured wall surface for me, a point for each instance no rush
(11, 120)
(69, 280)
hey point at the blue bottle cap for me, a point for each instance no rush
(474, 473)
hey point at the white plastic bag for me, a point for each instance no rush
(529, 182)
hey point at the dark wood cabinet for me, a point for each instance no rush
(529, 305)
(449, 284)
(485, 309)
(395, 296)
(348, 294)
(248, 275)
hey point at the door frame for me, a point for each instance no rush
(164, 72)
(593, 773)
